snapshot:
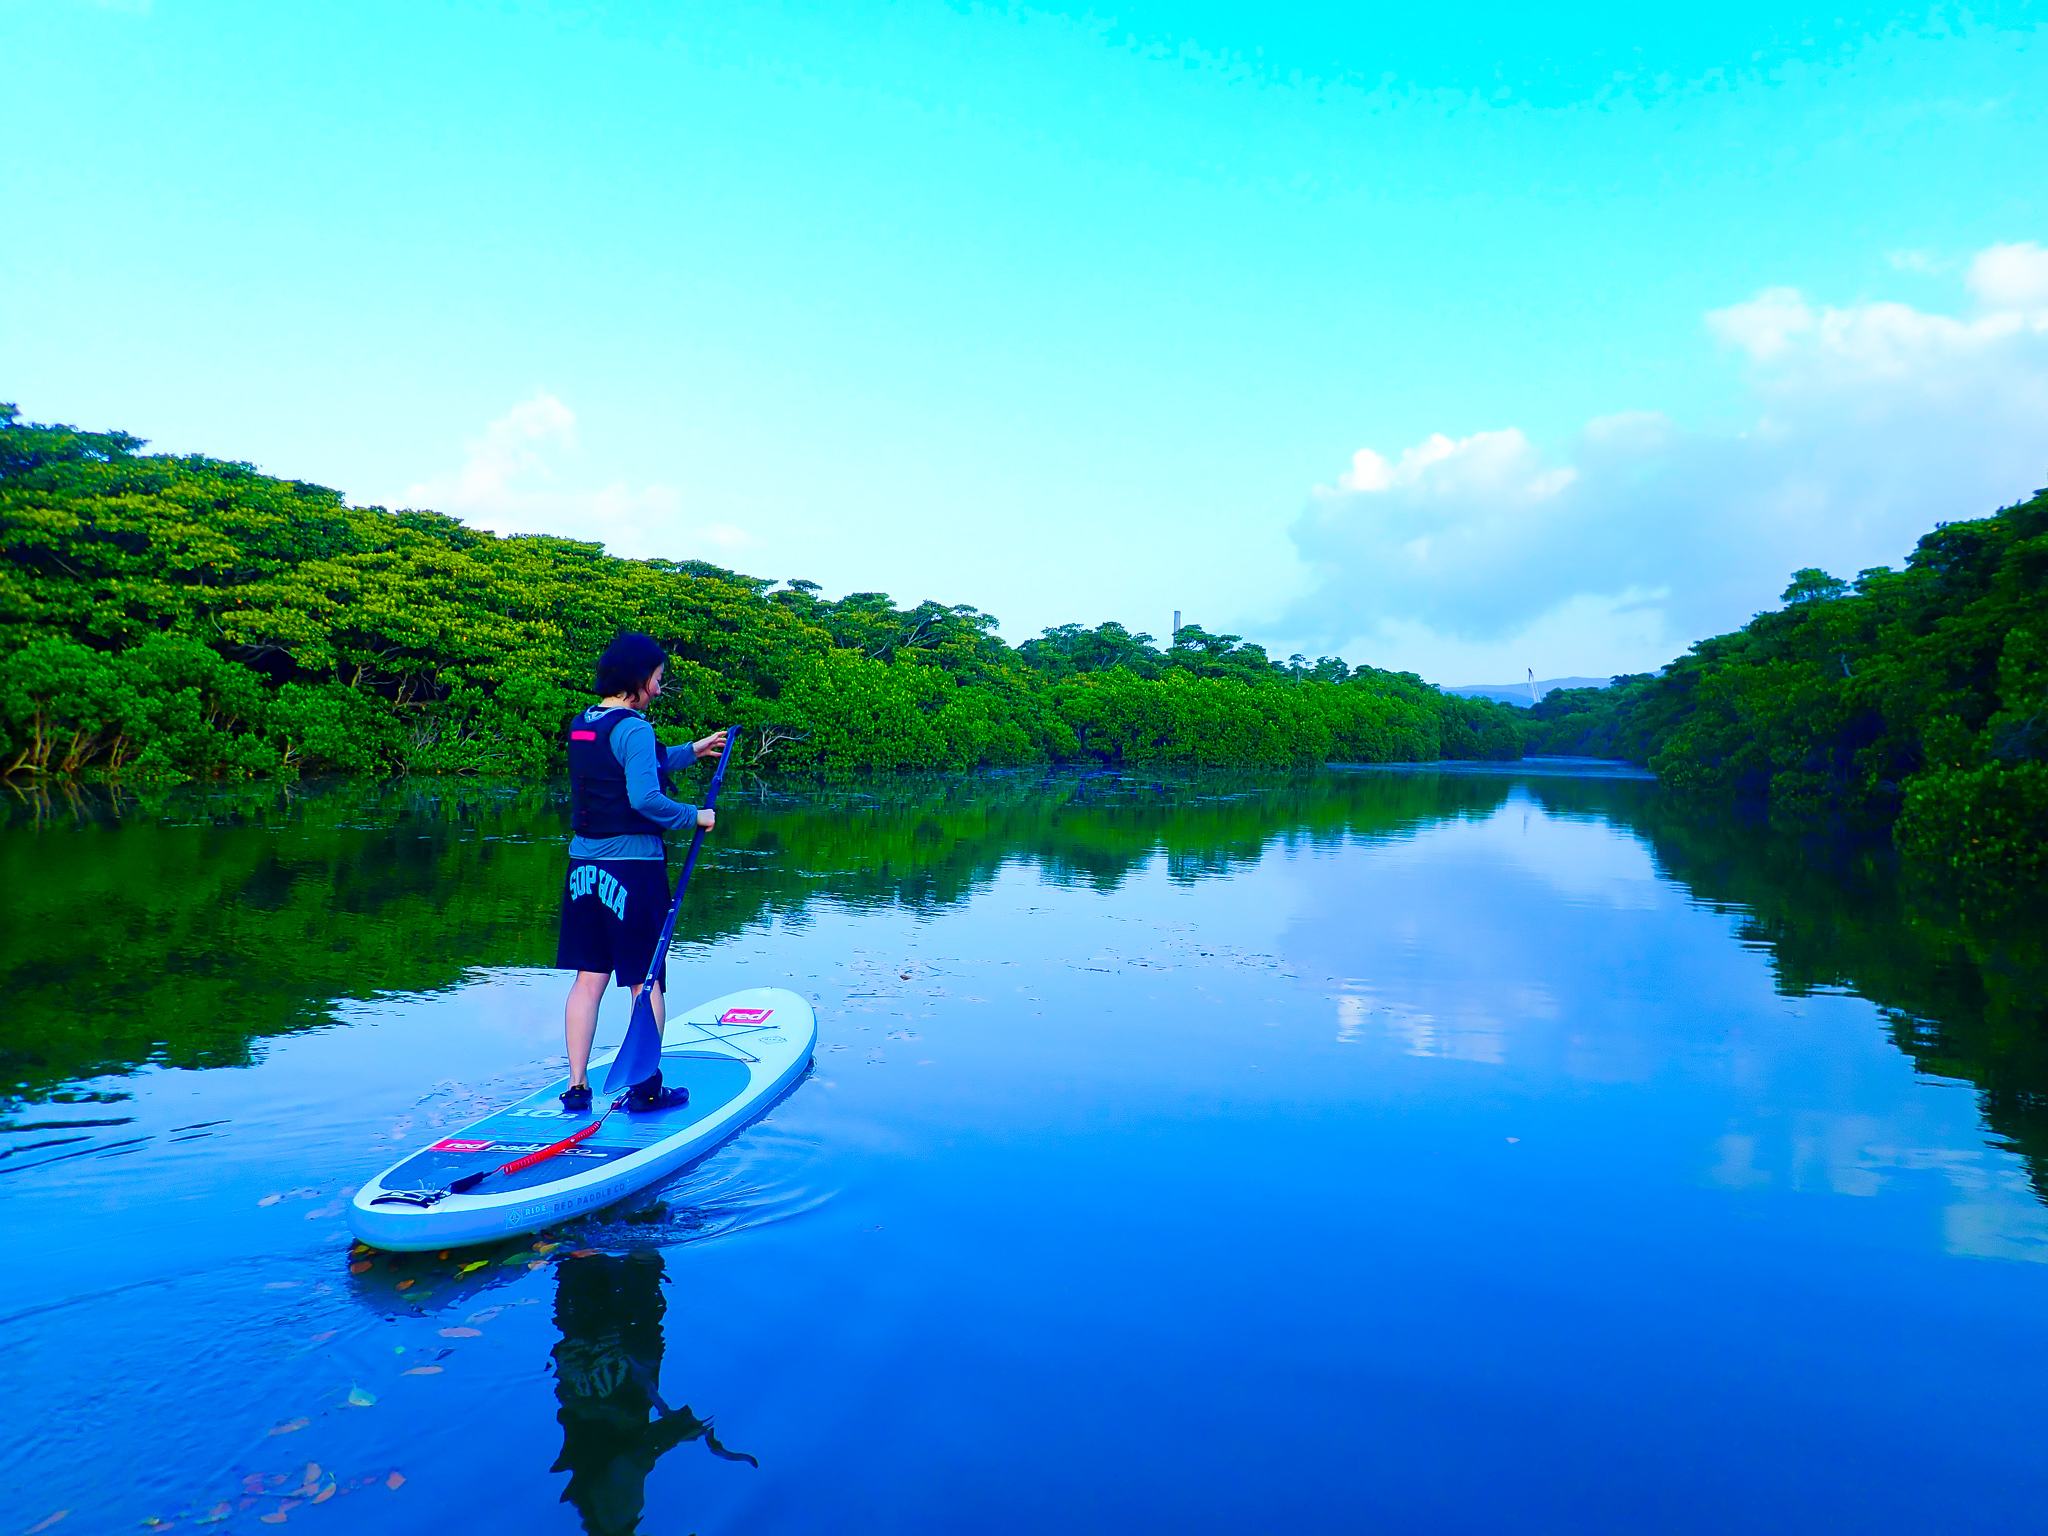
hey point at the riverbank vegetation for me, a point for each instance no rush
(1914, 700)
(172, 617)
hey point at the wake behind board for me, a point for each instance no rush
(751, 1046)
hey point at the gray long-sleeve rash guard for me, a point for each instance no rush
(634, 745)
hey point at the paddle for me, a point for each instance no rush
(640, 1053)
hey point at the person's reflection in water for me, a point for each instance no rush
(607, 1375)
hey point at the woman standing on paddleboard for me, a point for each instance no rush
(617, 892)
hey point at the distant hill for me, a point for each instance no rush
(1518, 693)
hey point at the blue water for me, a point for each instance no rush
(1472, 1175)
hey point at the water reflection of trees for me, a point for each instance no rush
(1965, 996)
(229, 916)
(182, 925)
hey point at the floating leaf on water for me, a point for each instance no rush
(219, 1511)
(479, 1264)
(516, 1258)
(545, 1247)
(584, 1253)
(359, 1266)
(324, 1494)
(276, 1519)
(322, 1338)
(358, 1398)
(253, 1483)
(484, 1316)
(462, 1333)
(312, 1471)
(290, 1425)
(422, 1370)
(538, 1264)
(270, 1199)
(403, 1284)
(394, 1480)
(47, 1522)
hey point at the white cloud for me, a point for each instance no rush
(513, 481)
(2012, 276)
(1918, 261)
(1467, 559)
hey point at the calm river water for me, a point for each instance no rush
(1393, 1152)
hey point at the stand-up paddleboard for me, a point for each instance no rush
(735, 1054)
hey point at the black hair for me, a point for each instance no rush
(627, 663)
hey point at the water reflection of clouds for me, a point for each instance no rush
(1478, 939)
(1551, 945)
(1989, 1210)
(1362, 1014)
(1585, 861)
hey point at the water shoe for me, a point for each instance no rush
(650, 1095)
(577, 1100)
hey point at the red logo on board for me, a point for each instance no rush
(450, 1144)
(745, 1015)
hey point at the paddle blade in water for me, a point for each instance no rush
(640, 1056)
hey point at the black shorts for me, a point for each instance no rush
(612, 912)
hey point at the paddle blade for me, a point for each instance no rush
(639, 1057)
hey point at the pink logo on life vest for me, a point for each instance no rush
(745, 1015)
(583, 735)
(452, 1145)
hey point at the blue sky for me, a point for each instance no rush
(1464, 341)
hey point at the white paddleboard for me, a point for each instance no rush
(750, 1047)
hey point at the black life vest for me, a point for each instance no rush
(598, 805)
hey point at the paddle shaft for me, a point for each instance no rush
(668, 929)
(642, 1026)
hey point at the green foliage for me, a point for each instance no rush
(171, 617)
(1810, 584)
(1917, 697)
(1067, 649)
(1984, 823)
(1592, 722)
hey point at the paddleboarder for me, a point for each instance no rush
(617, 895)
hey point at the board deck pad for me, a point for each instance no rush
(736, 1055)
(538, 1120)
